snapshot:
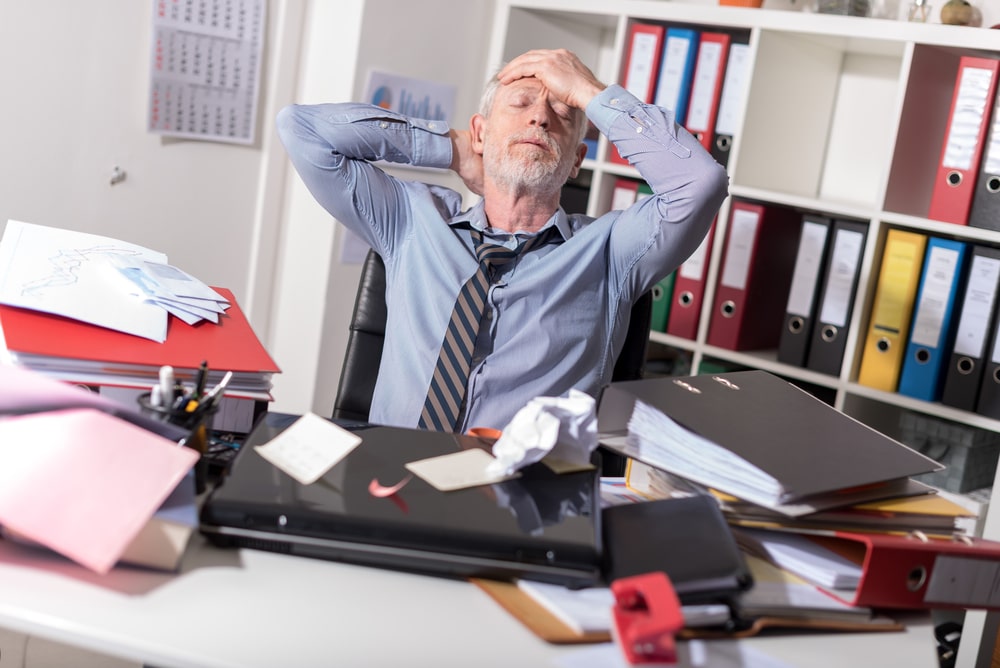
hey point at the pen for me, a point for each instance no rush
(166, 385)
(202, 377)
(214, 395)
(156, 397)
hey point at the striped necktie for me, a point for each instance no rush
(451, 374)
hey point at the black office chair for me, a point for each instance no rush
(364, 350)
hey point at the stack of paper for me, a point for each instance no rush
(94, 310)
(917, 508)
(99, 280)
(87, 354)
(807, 558)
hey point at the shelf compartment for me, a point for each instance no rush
(820, 117)
(922, 128)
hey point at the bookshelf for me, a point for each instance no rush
(843, 117)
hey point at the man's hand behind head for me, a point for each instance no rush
(466, 162)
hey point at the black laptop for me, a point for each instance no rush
(540, 526)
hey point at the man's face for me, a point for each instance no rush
(529, 139)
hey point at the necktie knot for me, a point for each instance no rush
(494, 256)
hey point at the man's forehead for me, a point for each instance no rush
(521, 85)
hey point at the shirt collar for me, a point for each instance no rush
(475, 218)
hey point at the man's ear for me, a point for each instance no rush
(477, 127)
(581, 153)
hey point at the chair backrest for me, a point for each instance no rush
(367, 334)
(364, 344)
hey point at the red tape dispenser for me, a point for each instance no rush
(646, 615)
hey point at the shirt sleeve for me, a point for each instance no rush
(655, 235)
(333, 146)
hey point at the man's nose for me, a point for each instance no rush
(540, 114)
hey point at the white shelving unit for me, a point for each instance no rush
(843, 116)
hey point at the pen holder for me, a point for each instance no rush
(197, 423)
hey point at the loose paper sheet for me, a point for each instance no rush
(309, 448)
(458, 470)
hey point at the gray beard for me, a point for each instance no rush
(520, 176)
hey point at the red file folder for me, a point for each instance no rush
(689, 289)
(37, 339)
(642, 66)
(713, 54)
(911, 572)
(749, 305)
(955, 183)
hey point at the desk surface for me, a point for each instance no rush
(249, 608)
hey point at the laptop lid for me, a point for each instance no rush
(541, 526)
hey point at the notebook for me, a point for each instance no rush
(687, 538)
(540, 526)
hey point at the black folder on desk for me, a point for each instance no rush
(540, 526)
(818, 455)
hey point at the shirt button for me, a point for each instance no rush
(383, 125)
(639, 129)
(615, 101)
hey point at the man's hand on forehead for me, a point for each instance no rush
(560, 71)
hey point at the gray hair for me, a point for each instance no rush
(490, 92)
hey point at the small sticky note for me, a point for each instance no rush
(458, 470)
(309, 448)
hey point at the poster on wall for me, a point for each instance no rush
(418, 98)
(205, 62)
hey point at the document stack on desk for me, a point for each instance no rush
(91, 479)
(780, 460)
(70, 314)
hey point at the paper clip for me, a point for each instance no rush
(646, 615)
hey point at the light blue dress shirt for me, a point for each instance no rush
(557, 316)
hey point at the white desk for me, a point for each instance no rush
(245, 608)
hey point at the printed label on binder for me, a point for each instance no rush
(740, 249)
(836, 305)
(970, 105)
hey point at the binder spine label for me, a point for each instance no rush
(971, 104)
(704, 86)
(847, 247)
(807, 266)
(942, 263)
(979, 295)
(740, 249)
(733, 89)
(672, 77)
(640, 72)
(964, 581)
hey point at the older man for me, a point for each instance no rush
(511, 299)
